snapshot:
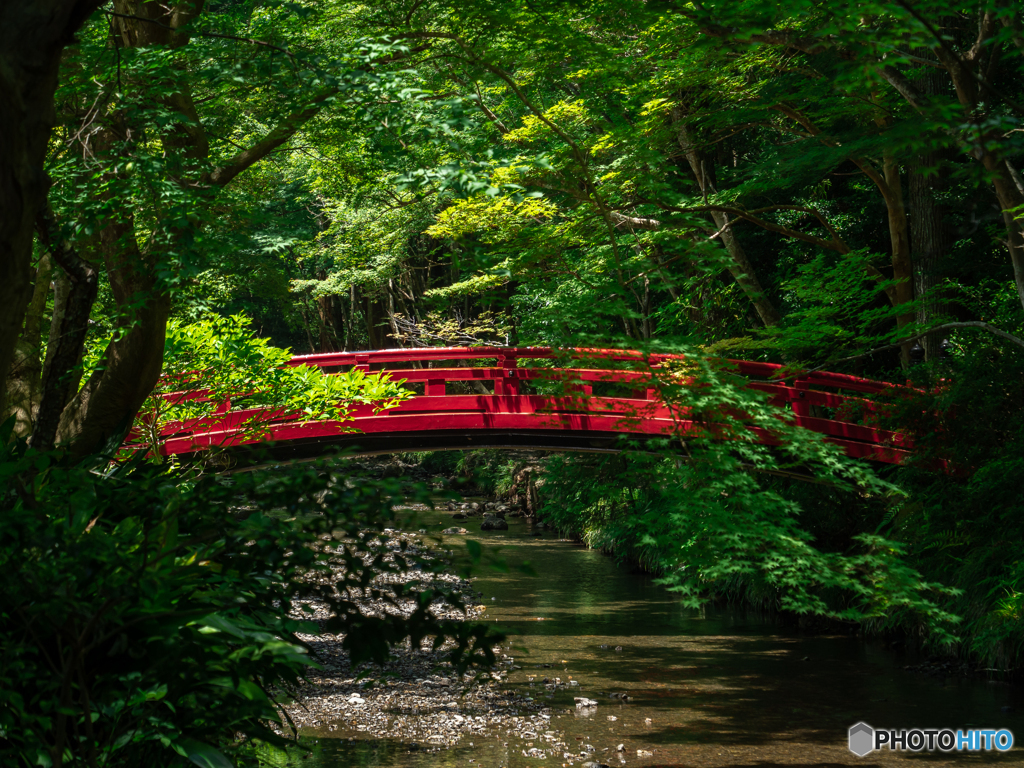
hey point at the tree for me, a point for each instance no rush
(139, 177)
(32, 41)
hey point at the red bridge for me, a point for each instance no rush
(468, 403)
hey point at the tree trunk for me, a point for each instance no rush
(930, 242)
(899, 239)
(33, 36)
(740, 268)
(104, 408)
(1011, 201)
(327, 313)
(376, 314)
(26, 374)
(64, 350)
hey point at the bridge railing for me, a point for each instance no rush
(818, 400)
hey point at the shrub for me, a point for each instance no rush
(149, 618)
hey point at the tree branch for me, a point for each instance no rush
(622, 221)
(970, 324)
(287, 128)
(203, 33)
(835, 244)
(986, 29)
(275, 138)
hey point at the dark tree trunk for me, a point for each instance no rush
(899, 239)
(24, 383)
(930, 242)
(377, 328)
(68, 339)
(328, 313)
(33, 34)
(106, 404)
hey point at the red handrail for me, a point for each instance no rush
(508, 409)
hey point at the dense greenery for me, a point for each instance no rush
(194, 188)
(146, 614)
(216, 370)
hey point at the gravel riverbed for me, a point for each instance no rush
(416, 697)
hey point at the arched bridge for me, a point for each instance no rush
(478, 397)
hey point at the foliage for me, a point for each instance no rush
(218, 362)
(965, 528)
(837, 312)
(710, 516)
(146, 616)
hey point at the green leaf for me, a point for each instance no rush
(202, 754)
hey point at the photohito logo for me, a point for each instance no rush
(864, 739)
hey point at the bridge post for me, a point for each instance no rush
(434, 388)
(801, 408)
(362, 363)
(508, 384)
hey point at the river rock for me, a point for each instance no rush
(458, 516)
(451, 531)
(582, 702)
(493, 524)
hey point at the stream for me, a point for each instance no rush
(715, 687)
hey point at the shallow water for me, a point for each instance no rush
(717, 687)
